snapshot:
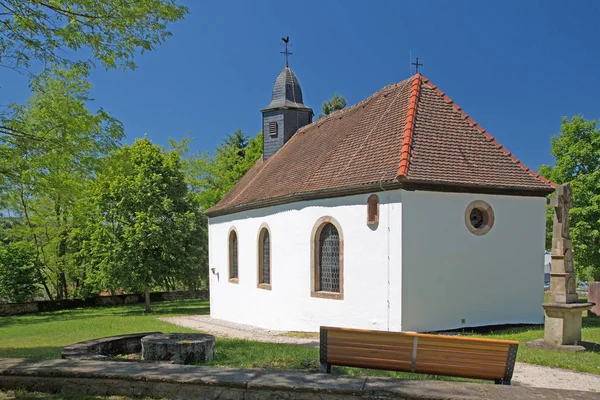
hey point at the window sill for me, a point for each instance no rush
(234, 280)
(264, 286)
(327, 295)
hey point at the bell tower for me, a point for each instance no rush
(286, 113)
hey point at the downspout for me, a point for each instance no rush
(388, 240)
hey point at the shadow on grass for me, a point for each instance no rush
(591, 322)
(31, 352)
(159, 309)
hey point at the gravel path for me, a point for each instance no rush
(524, 374)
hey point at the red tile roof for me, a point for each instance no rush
(406, 135)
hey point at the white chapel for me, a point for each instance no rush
(399, 213)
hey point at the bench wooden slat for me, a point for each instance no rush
(422, 359)
(406, 356)
(474, 353)
(420, 353)
(361, 337)
(337, 331)
(476, 348)
(375, 363)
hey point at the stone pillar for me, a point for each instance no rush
(562, 271)
(594, 297)
(562, 327)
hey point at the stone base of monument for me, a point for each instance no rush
(178, 348)
(562, 327)
(543, 345)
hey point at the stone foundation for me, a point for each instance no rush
(107, 378)
(178, 348)
(106, 348)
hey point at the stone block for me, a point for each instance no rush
(178, 348)
(594, 297)
(563, 323)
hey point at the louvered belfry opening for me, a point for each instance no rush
(266, 257)
(329, 259)
(233, 255)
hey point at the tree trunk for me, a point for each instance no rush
(147, 296)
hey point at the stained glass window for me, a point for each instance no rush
(266, 257)
(233, 256)
(329, 259)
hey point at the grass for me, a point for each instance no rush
(582, 361)
(24, 395)
(43, 335)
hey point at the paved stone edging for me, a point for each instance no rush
(91, 377)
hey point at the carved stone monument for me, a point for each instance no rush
(562, 328)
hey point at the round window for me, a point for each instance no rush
(479, 217)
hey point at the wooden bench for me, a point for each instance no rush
(419, 353)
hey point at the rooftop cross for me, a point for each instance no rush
(417, 65)
(286, 41)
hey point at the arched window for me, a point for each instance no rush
(327, 267)
(264, 259)
(373, 210)
(233, 257)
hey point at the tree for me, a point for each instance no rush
(18, 277)
(46, 178)
(111, 31)
(210, 178)
(334, 104)
(147, 226)
(577, 153)
(108, 31)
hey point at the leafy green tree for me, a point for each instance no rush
(111, 31)
(577, 153)
(210, 178)
(146, 224)
(18, 277)
(334, 104)
(46, 178)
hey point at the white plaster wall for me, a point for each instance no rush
(449, 274)
(371, 260)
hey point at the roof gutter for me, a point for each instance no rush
(379, 187)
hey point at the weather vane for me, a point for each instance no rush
(286, 41)
(417, 65)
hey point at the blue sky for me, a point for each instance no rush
(516, 67)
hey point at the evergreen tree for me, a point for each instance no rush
(334, 104)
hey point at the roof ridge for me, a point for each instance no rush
(343, 111)
(487, 135)
(409, 127)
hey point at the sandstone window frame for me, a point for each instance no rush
(262, 230)
(315, 256)
(483, 213)
(233, 251)
(373, 210)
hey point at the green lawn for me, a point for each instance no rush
(23, 395)
(584, 362)
(44, 335)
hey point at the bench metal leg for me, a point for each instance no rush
(325, 368)
(502, 382)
